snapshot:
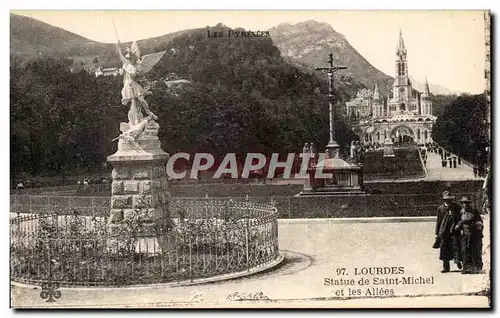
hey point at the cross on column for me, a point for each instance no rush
(332, 149)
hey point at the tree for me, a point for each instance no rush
(56, 114)
(462, 128)
(439, 103)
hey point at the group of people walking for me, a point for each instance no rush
(459, 235)
(447, 160)
(480, 171)
(451, 162)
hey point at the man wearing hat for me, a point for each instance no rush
(447, 236)
(471, 227)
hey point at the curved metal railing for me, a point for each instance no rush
(201, 238)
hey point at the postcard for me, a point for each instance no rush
(250, 159)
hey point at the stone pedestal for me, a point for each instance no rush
(388, 150)
(346, 179)
(139, 188)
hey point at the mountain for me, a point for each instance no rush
(30, 37)
(305, 45)
(435, 89)
(308, 44)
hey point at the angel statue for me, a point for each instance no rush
(135, 85)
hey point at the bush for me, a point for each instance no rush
(405, 164)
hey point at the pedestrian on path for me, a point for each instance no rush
(459, 161)
(480, 171)
(471, 227)
(445, 163)
(475, 170)
(85, 185)
(454, 162)
(448, 239)
(450, 162)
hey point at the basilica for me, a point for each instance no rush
(404, 117)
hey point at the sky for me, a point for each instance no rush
(446, 47)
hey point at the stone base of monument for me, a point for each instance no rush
(139, 190)
(344, 178)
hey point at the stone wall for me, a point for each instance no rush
(363, 206)
(235, 190)
(383, 199)
(436, 187)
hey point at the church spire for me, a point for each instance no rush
(401, 51)
(376, 92)
(427, 91)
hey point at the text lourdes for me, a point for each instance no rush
(379, 270)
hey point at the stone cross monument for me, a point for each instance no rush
(332, 149)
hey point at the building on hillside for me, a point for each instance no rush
(107, 71)
(406, 116)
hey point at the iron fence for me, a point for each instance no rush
(418, 204)
(201, 238)
(71, 189)
(94, 189)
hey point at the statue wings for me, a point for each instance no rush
(148, 61)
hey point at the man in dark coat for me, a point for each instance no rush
(447, 237)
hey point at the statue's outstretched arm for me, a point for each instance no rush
(120, 54)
